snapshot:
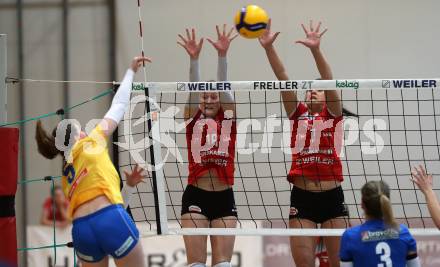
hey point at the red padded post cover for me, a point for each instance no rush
(8, 186)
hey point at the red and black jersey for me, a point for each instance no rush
(211, 146)
(314, 142)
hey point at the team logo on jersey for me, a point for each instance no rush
(194, 208)
(293, 211)
(379, 235)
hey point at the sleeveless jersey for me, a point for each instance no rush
(313, 141)
(211, 146)
(372, 244)
(91, 172)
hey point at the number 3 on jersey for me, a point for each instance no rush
(383, 249)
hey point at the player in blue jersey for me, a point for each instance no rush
(380, 241)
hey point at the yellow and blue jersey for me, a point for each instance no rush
(90, 172)
(373, 244)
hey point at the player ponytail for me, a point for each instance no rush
(348, 113)
(387, 211)
(376, 202)
(46, 142)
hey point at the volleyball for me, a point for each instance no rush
(251, 21)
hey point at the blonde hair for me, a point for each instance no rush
(377, 204)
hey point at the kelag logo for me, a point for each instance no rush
(347, 84)
(138, 87)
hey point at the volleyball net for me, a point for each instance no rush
(395, 128)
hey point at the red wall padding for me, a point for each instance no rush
(8, 187)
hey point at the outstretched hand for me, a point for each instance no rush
(223, 40)
(268, 37)
(135, 177)
(421, 179)
(313, 36)
(190, 44)
(137, 62)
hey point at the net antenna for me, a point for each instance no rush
(153, 136)
(398, 126)
(3, 73)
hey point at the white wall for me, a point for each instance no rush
(366, 39)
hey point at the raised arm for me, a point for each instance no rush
(290, 100)
(313, 42)
(222, 45)
(193, 48)
(424, 183)
(121, 99)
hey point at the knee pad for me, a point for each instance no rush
(223, 264)
(197, 264)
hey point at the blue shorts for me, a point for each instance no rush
(109, 231)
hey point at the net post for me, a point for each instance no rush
(156, 161)
(3, 92)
